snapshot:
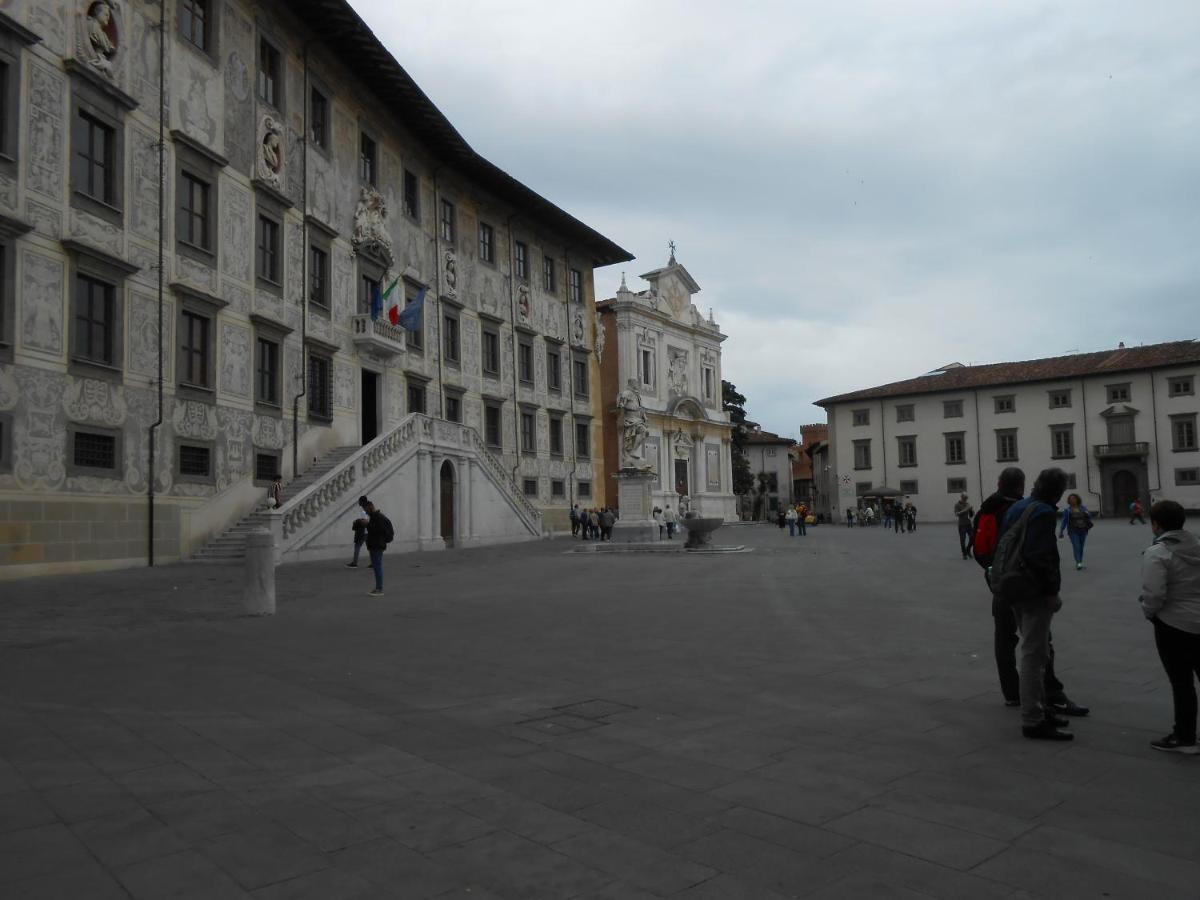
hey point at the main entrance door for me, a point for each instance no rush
(447, 503)
(1125, 490)
(681, 477)
(369, 406)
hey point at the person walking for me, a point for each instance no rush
(575, 520)
(669, 518)
(359, 527)
(849, 517)
(1035, 608)
(1135, 512)
(379, 534)
(802, 520)
(897, 516)
(1010, 487)
(275, 492)
(780, 518)
(887, 514)
(790, 516)
(657, 515)
(910, 514)
(1170, 600)
(965, 513)
(869, 516)
(607, 520)
(1076, 522)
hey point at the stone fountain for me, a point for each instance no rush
(700, 530)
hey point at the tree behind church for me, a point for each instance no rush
(734, 403)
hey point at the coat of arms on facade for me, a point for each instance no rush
(370, 226)
(524, 308)
(270, 151)
(99, 37)
(450, 277)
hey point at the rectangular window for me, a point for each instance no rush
(1071, 481)
(269, 83)
(525, 361)
(579, 372)
(528, 431)
(450, 340)
(521, 260)
(1118, 393)
(268, 250)
(956, 449)
(1060, 399)
(549, 278)
(266, 371)
(952, 409)
(193, 23)
(553, 369)
(95, 309)
(412, 195)
(318, 119)
(195, 211)
(905, 412)
(908, 450)
(583, 440)
(558, 487)
(956, 485)
(320, 388)
(862, 417)
(368, 287)
(1006, 445)
(646, 366)
(195, 462)
(908, 487)
(492, 432)
(487, 243)
(368, 166)
(446, 221)
(95, 159)
(575, 286)
(1062, 441)
(529, 487)
(556, 436)
(266, 466)
(491, 350)
(709, 383)
(91, 450)
(453, 408)
(1181, 386)
(318, 276)
(1183, 432)
(414, 340)
(1187, 476)
(1006, 403)
(585, 490)
(193, 349)
(862, 454)
(416, 397)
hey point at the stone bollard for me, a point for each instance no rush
(258, 593)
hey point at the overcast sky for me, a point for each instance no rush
(864, 191)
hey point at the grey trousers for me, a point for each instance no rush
(1033, 619)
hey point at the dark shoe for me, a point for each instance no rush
(1012, 702)
(1057, 721)
(1172, 744)
(1046, 732)
(351, 565)
(375, 593)
(1069, 708)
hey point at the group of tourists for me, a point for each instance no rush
(1013, 538)
(373, 528)
(592, 524)
(900, 516)
(795, 518)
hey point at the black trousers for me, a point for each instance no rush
(1180, 654)
(1006, 639)
(965, 540)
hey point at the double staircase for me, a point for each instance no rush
(231, 546)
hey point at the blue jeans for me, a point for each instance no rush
(1077, 540)
(357, 548)
(803, 528)
(791, 529)
(377, 565)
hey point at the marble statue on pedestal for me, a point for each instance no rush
(634, 429)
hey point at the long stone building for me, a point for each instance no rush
(1121, 423)
(304, 173)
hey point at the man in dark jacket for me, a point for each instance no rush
(1009, 489)
(379, 535)
(1039, 554)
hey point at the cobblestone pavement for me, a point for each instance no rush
(817, 718)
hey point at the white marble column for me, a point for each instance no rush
(465, 524)
(423, 520)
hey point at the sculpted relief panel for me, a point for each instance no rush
(143, 186)
(235, 359)
(40, 435)
(41, 302)
(238, 43)
(143, 329)
(46, 136)
(236, 240)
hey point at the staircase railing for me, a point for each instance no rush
(394, 447)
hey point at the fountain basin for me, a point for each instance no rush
(700, 530)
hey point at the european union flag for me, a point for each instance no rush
(410, 317)
(376, 302)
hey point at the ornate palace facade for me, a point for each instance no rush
(304, 171)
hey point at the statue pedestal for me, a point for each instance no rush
(635, 491)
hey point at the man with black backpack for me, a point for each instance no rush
(988, 524)
(379, 534)
(1025, 574)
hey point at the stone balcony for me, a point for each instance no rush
(1117, 451)
(377, 338)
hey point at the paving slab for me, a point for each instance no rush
(818, 717)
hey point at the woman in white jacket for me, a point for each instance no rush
(1171, 601)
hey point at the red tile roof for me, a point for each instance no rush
(1055, 368)
(767, 437)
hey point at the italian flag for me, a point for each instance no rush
(393, 310)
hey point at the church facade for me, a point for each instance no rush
(664, 361)
(304, 173)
